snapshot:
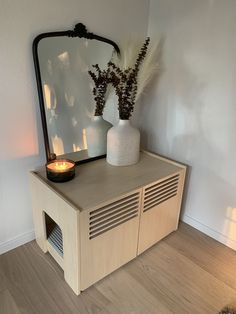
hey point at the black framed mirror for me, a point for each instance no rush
(62, 60)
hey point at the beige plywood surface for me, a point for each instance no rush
(45, 201)
(97, 182)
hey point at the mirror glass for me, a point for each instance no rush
(67, 90)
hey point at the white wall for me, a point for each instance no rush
(21, 141)
(190, 114)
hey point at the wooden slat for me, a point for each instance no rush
(55, 238)
(113, 215)
(113, 224)
(160, 194)
(115, 209)
(163, 187)
(159, 201)
(114, 205)
(162, 183)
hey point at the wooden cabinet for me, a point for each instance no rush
(107, 215)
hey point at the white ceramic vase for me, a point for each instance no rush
(96, 134)
(123, 144)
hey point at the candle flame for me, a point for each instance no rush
(60, 166)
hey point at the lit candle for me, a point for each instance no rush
(60, 170)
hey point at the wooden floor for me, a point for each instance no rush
(187, 272)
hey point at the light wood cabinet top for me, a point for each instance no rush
(98, 182)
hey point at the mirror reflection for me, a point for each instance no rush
(67, 90)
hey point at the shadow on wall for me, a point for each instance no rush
(193, 145)
(140, 115)
(177, 120)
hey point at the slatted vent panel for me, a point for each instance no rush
(113, 215)
(55, 238)
(54, 234)
(160, 192)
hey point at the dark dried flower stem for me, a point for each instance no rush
(125, 83)
(101, 80)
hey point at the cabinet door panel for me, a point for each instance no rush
(157, 223)
(160, 210)
(109, 237)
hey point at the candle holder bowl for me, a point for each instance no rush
(60, 175)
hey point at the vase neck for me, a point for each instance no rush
(124, 122)
(97, 118)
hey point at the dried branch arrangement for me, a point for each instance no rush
(101, 79)
(125, 83)
(128, 77)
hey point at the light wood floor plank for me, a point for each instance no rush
(7, 303)
(37, 284)
(204, 251)
(127, 295)
(187, 272)
(2, 281)
(185, 285)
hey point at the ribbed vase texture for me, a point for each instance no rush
(123, 144)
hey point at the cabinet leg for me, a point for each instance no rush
(71, 248)
(40, 230)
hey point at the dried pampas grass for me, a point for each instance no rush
(149, 67)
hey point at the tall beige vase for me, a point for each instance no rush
(123, 144)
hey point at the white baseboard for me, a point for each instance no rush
(16, 241)
(209, 231)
